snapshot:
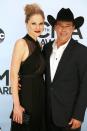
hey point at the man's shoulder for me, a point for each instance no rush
(47, 48)
(81, 49)
(48, 44)
(79, 45)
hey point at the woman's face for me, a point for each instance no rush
(35, 25)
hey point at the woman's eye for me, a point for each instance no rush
(33, 23)
(41, 23)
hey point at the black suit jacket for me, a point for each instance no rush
(66, 96)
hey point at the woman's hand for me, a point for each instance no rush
(19, 85)
(17, 114)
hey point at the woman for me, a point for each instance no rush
(28, 64)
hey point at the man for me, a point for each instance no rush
(66, 75)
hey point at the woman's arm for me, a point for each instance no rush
(18, 53)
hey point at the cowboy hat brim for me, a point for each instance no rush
(77, 21)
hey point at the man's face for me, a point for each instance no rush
(64, 30)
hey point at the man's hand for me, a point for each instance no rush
(75, 123)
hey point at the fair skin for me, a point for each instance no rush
(35, 26)
(64, 30)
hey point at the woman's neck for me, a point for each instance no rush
(33, 37)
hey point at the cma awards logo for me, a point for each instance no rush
(49, 34)
(2, 35)
(5, 89)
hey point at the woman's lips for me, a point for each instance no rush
(37, 31)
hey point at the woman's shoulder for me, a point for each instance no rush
(20, 43)
(20, 46)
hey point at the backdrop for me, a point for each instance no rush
(12, 27)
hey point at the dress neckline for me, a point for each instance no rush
(30, 38)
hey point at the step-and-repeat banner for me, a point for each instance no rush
(12, 27)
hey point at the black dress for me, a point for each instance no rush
(32, 87)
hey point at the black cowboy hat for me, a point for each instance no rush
(66, 15)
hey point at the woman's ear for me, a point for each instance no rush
(27, 26)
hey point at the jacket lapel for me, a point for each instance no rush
(48, 53)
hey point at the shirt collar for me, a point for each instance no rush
(62, 46)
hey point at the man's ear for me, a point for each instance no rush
(73, 27)
(55, 26)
